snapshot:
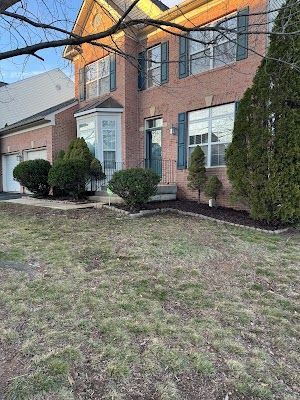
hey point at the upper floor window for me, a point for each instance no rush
(153, 66)
(97, 78)
(205, 50)
(211, 129)
(153, 70)
(213, 49)
(274, 7)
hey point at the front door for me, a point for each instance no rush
(154, 145)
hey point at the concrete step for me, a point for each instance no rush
(167, 189)
(116, 199)
(161, 189)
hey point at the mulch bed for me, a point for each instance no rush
(221, 213)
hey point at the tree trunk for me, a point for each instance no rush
(198, 196)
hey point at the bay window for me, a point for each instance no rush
(211, 129)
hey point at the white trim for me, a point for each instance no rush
(42, 148)
(101, 110)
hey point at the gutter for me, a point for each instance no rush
(32, 124)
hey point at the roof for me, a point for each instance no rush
(37, 119)
(107, 103)
(27, 97)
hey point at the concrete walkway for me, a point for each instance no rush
(55, 204)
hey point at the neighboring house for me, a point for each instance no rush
(22, 99)
(40, 134)
(160, 110)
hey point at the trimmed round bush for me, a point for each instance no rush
(135, 185)
(69, 177)
(213, 187)
(33, 175)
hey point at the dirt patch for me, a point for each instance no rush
(221, 213)
(18, 266)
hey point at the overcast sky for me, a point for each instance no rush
(22, 67)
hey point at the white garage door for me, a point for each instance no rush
(37, 154)
(8, 165)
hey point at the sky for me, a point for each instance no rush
(22, 67)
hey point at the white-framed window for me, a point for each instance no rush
(87, 131)
(97, 78)
(109, 137)
(274, 7)
(153, 66)
(211, 129)
(214, 49)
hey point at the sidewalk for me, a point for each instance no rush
(55, 204)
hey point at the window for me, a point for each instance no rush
(213, 49)
(274, 6)
(98, 78)
(87, 131)
(153, 70)
(211, 129)
(109, 134)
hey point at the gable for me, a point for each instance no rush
(94, 17)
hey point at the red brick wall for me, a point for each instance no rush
(64, 130)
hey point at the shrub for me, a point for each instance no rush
(33, 174)
(213, 187)
(96, 169)
(60, 155)
(135, 186)
(196, 176)
(69, 176)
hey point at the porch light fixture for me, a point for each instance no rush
(19, 157)
(173, 130)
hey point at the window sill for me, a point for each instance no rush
(210, 71)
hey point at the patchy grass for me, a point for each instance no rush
(162, 308)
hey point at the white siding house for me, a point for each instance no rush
(32, 95)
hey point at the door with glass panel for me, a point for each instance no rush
(154, 145)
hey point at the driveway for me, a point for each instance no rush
(9, 196)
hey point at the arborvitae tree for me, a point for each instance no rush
(263, 160)
(78, 149)
(96, 169)
(196, 177)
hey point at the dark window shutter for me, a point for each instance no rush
(164, 62)
(113, 83)
(183, 57)
(141, 71)
(181, 155)
(82, 88)
(242, 36)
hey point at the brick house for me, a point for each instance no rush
(169, 94)
(38, 128)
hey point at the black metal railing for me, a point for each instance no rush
(166, 169)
